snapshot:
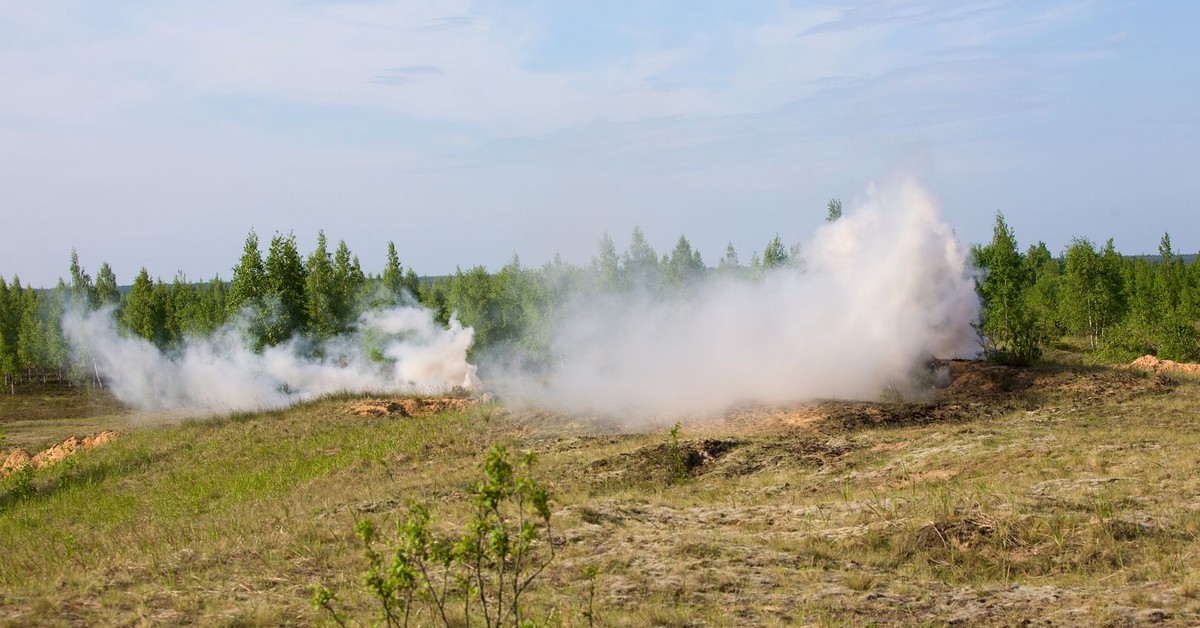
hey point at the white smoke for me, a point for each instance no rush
(883, 289)
(220, 373)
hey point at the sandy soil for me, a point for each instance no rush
(18, 458)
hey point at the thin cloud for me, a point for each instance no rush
(447, 23)
(405, 75)
(857, 16)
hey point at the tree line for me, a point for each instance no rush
(283, 294)
(1119, 307)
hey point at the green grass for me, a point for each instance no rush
(1076, 501)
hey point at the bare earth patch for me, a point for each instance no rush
(18, 458)
(1155, 365)
(410, 407)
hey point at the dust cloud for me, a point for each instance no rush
(880, 292)
(399, 349)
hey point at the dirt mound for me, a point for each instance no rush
(410, 407)
(972, 378)
(667, 462)
(19, 458)
(1155, 365)
(16, 460)
(973, 382)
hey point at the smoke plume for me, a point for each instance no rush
(882, 290)
(399, 349)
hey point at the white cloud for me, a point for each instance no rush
(439, 117)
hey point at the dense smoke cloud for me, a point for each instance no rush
(220, 373)
(882, 290)
(878, 293)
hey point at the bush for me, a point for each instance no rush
(1179, 340)
(500, 551)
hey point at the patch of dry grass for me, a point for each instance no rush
(1074, 501)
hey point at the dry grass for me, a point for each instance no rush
(1071, 498)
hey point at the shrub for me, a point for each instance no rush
(495, 558)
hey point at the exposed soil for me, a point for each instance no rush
(1154, 365)
(18, 458)
(665, 462)
(410, 407)
(969, 390)
(821, 433)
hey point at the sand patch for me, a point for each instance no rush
(18, 458)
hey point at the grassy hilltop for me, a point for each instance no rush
(1061, 495)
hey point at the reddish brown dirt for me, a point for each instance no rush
(18, 458)
(409, 407)
(1155, 365)
(970, 378)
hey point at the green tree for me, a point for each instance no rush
(181, 301)
(349, 287)
(248, 284)
(684, 266)
(32, 342)
(557, 285)
(1192, 304)
(1176, 335)
(143, 314)
(82, 291)
(1042, 298)
(57, 351)
(1009, 331)
(470, 295)
(494, 305)
(435, 295)
(607, 266)
(106, 286)
(412, 283)
(1171, 277)
(640, 262)
(283, 290)
(1164, 249)
(9, 324)
(775, 255)
(517, 295)
(208, 309)
(393, 272)
(1093, 290)
(1138, 331)
(729, 262)
(500, 307)
(833, 210)
(319, 291)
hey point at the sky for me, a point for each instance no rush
(157, 134)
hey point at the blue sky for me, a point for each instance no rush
(159, 133)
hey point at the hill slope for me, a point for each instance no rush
(1063, 495)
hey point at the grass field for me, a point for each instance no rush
(1054, 495)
